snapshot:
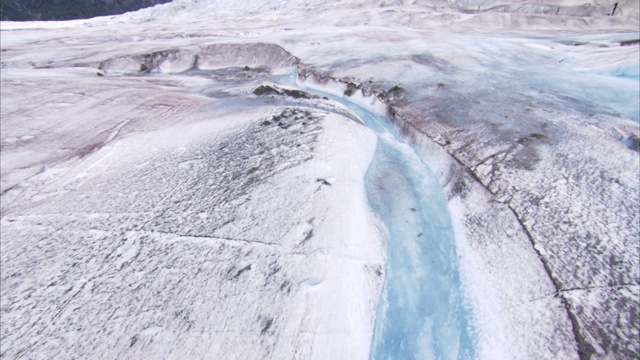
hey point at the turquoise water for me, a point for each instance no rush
(420, 314)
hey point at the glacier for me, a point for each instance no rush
(420, 313)
(323, 180)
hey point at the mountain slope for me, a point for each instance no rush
(27, 10)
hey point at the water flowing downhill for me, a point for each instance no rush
(420, 314)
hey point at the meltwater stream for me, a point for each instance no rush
(420, 314)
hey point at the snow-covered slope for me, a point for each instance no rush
(150, 221)
(212, 179)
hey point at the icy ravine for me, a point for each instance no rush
(420, 313)
(533, 118)
(497, 289)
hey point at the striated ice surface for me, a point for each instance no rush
(207, 179)
(193, 226)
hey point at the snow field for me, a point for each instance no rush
(541, 124)
(229, 229)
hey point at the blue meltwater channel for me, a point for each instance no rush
(420, 314)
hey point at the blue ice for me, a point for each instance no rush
(420, 314)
